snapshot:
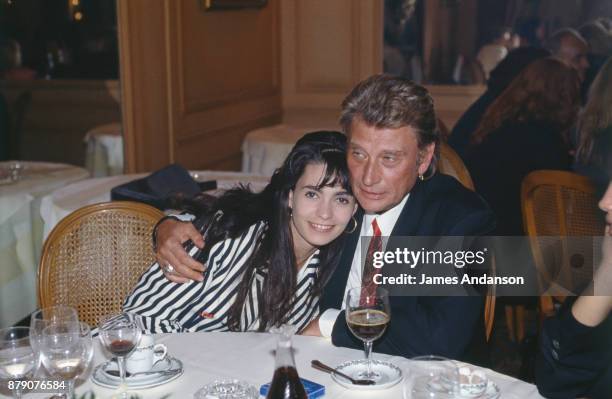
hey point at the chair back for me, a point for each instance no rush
(450, 163)
(94, 257)
(558, 207)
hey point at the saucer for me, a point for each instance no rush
(389, 373)
(165, 368)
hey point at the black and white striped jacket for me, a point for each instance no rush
(161, 306)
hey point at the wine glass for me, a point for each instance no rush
(119, 335)
(66, 350)
(45, 317)
(367, 315)
(18, 360)
(434, 377)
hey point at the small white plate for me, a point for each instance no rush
(390, 374)
(102, 378)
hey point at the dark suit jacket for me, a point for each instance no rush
(444, 326)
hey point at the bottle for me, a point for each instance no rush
(286, 383)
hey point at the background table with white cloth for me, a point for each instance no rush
(207, 357)
(21, 233)
(104, 150)
(265, 149)
(59, 204)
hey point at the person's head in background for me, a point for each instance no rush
(530, 31)
(568, 45)
(391, 126)
(509, 68)
(598, 37)
(546, 92)
(595, 127)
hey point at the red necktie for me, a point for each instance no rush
(367, 278)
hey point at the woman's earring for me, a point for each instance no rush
(354, 226)
(421, 178)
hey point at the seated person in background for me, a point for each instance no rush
(269, 255)
(595, 130)
(500, 78)
(391, 126)
(575, 358)
(522, 131)
(600, 49)
(568, 45)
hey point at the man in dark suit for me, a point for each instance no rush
(391, 127)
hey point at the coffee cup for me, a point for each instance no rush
(145, 355)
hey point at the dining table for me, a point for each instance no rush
(21, 229)
(104, 150)
(209, 357)
(65, 200)
(265, 149)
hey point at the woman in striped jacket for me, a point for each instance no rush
(268, 256)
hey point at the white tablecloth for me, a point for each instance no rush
(249, 356)
(104, 153)
(21, 233)
(265, 149)
(57, 205)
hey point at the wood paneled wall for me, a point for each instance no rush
(327, 47)
(195, 82)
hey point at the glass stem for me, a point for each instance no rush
(70, 393)
(367, 347)
(121, 362)
(17, 392)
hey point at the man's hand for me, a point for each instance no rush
(171, 234)
(312, 329)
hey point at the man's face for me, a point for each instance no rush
(574, 52)
(384, 164)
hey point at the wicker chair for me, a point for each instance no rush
(95, 255)
(451, 164)
(557, 205)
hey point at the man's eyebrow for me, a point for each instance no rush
(393, 152)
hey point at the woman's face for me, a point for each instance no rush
(318, 215)
(605, 204)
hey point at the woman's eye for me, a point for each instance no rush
(310, 194)
(343, 201)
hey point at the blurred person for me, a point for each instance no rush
(599, 39)
(595, 130)
(523, 130)
(500, 78)
(268, 256)
(11, 63)
(568, 45)
(494, 51)
(530, 32)
(575, 357)
(391, 126)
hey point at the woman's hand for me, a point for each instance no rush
(171, 234)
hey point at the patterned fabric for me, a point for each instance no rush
(161, 306)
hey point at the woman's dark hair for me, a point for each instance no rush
(242, 208)
(547, 91)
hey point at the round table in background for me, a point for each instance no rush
(21, 232)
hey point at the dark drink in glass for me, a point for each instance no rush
(368, 324)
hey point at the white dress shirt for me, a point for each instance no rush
(386, 222)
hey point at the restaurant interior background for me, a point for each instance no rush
(192, 82)
(176, 82)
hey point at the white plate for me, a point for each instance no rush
(390, 374)
(102, 378)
